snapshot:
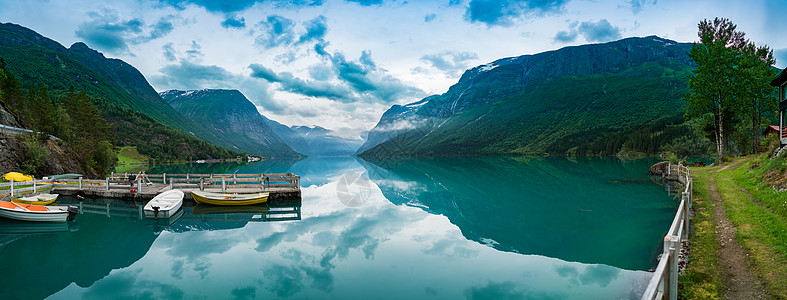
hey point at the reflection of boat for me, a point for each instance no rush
(165, 204)
(21, 227)
(40, 199)
(159, 223)
(202, 209)
(27, 212)
(229, 199)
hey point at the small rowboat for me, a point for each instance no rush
(164, 205)
(28, 212)
(40, 199)
(229, 199)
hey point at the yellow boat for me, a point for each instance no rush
(40, 199)
(229, 199)
(16, 176)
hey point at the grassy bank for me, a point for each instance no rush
(130, 155)
(758, 212)
(702, 279)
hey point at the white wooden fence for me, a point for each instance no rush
(664, 283)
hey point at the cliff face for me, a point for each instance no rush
(60, 159)
(541, 103)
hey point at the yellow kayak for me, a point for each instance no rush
(40, 199)
(16, 176)
(228, 199)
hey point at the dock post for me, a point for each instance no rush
(165, 178)
(139, 184)
(80, 183)
(223, 184)
(107, 184)
(34, 186)
(12, 188)
(171, 186)
(53, 185)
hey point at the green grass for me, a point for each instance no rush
(762, 230)
(129, 155)
(702, 279)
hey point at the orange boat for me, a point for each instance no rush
(28, 212)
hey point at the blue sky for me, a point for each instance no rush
(341, 63)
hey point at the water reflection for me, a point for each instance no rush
(591, 211)
(81, 257)
(412, 237)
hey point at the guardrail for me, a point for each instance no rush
(664, 283)
(11, 130)
(20, 188)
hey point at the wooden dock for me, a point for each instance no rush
(281, 186)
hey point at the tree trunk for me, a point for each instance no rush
(721, 140)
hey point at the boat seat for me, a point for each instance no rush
(36, 208)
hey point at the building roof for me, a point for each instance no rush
(779, 80)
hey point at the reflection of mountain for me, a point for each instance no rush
(320, 171)
(37, 266)
(552, 207)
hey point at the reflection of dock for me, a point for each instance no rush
(281, 186)
(268, 212)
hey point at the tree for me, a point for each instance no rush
(713, 87)
(757, 96)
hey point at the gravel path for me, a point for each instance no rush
(734, 261)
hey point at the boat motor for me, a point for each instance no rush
(72, 212)
(155, 211)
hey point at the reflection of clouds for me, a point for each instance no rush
(207, 243)
(602, 275)
(177, 269)
(248, 292)
(450, 248)
(284, 281)
(401, 185)
(202, 267)
(126, 285)
(509, 290)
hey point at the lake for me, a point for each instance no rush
(478, 228)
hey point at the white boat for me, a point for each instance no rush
(164, 205)
(28, 212)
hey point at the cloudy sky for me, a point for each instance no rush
(341, 63)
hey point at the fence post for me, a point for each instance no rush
(35, 187)
(12, 188)
(52, 188)
(171, 186)
(165, 178)
(202, 184)
(107, 184)
(139, 184)
(223, 184)
(671, 274)
(80, 183)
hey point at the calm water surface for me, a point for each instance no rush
(486, 228)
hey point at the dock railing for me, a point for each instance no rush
(261, 181)
(664, 283)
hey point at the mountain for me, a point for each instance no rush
(546, 103)
(118, 89)
(315, 140)
(232, 117)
